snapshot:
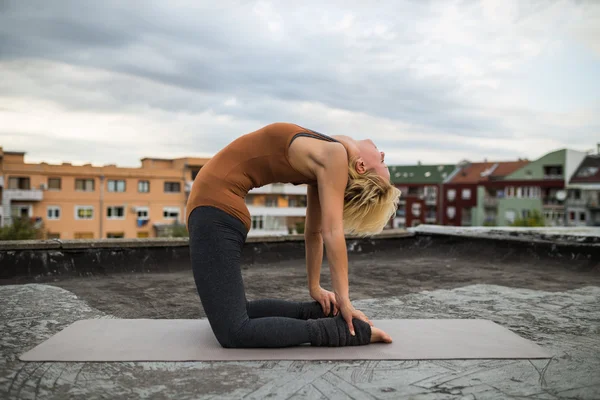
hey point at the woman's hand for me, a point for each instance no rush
(349, 312)
(326, 299)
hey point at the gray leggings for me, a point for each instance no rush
(216, 242)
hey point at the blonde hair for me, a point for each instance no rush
(369, 202)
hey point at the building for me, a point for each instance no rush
(90, 202)
(277, 209)
(538, 186)
(583, 194)
(420, 202)
(471, 192)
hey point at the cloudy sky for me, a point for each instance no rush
(430, 81)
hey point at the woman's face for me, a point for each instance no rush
(373, 158)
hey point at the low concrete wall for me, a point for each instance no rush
(45, 259)
(22, 261)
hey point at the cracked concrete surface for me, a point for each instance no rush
(566, 323)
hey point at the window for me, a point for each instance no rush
(510, 191)
(84, 212)
(21, 211)
(54, 183)
(271, 201)
(582, 216)
(20, 183)
(292, 202)
(451, 194)
(172, 187)
(510, 216)
(115, 235)
(572, 215)
(83, 235)
(553, 172)
(586, 172)
(430, 191)
(171, 213)
(466, 194)
(143, 213)
(525, 214)
(84, 185)
(53, 212)
(52, 235)
(115, 185)
(143, 186)
(195, 172)
(257, 222)
(249, 200)
(519, 192)
(451, 212)
(577, 194)
(115, 212)
(416, 209)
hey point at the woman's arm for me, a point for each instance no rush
(313, 239)
(332, 177)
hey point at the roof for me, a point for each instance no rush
(505, 168)
(486, 171)
(424, 174)
(588, 171)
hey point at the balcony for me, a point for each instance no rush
(277, 211)
(552, 203)
(280, 188)
(554, 177)
(489, 201)
(431, 199)
(23, 195)
(593, 204)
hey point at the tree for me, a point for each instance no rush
(179, 230)
(533, 219)
(22, 229)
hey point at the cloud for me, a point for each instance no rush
(433, 80)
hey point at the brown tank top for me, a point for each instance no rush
(252, 160)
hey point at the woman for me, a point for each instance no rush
(348, 191)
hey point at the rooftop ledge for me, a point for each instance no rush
(162, 242)
(564, 235)
(559, 235)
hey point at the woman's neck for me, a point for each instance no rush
(349, 144)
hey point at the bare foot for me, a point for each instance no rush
(377, 335)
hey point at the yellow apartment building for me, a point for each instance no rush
(92, 202)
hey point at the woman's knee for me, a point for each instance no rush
(232, 338)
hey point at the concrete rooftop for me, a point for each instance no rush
(553, 301)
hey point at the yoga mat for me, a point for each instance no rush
(193, 340)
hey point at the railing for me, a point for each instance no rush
(277, 211)
(554, 176)
(24, 194)
(431, 198)
(277, 188)
(552, 203)
(489, 201)
(591, 203)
